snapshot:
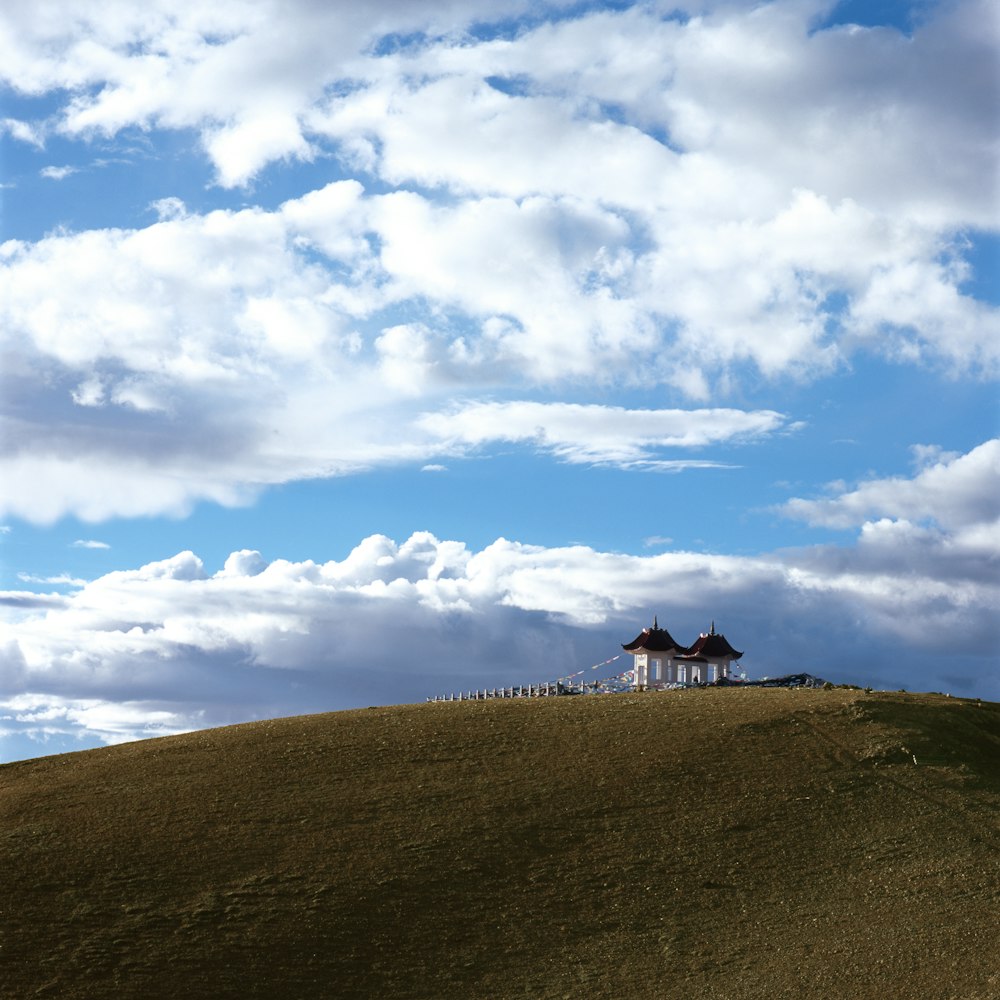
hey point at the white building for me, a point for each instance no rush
(655, 652)
(708, 658)
(660, 659)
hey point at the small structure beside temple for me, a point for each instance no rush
(710, 657)
(660, 660)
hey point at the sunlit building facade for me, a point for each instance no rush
(660, 660)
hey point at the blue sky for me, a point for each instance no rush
(355, 356)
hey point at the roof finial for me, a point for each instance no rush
(713, 628)
(654, 622)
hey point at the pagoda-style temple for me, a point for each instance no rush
(709, 657)
(654, 650)
(660, 659)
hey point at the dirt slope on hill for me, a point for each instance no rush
(704, 843)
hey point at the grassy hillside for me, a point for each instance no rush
(707, 843)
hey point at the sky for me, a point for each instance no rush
(358, 353)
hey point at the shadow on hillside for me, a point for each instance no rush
(963, 734)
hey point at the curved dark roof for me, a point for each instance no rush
(655, 639)
(710, 645)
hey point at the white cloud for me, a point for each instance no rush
(231, 319)
(955, 492)
(60, 579)
(657, 541)
(90, 543)
(228, 319)
(243, 73)
(743, 151)
(930, 542)
(90, 392)
(246, 562)
(599, 434)
(610, 197)
(47, 717)
(57, 173)
(780, 187)
(22, 131)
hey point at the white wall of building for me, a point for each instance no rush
(653, 668)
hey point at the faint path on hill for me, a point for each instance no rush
(846, 754)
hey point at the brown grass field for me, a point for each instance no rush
(713, 843)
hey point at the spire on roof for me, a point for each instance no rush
(712, 632)
(654, 622)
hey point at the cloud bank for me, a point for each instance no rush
(171, 645)
(689, 199)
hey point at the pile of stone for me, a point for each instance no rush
(787, 681)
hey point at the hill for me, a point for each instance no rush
(707, 843)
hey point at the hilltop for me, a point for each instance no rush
(718, 843)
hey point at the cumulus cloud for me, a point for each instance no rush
(227, 320)
(932, 539)
(173, 644)
(738, 81)
(955, 492)
(22, 131)
(56, 173)
(686, 201)
(766, 177)
(739, 146)
(243, 73)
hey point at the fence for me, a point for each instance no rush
(546, 690)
